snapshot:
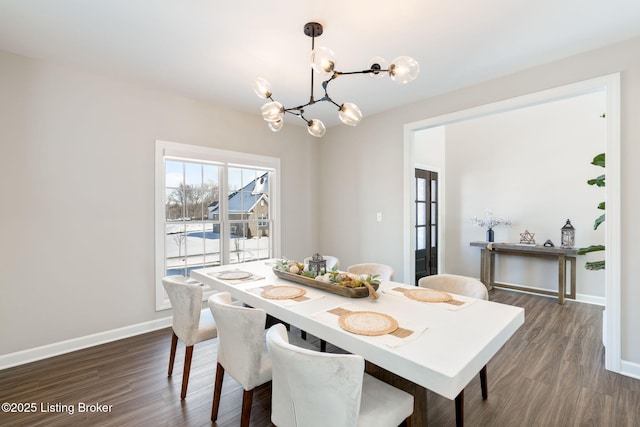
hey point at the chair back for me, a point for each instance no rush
(310, 388)
(331, 261)
(461, 285)
(186, 301)
(241, 347)
(385, 272)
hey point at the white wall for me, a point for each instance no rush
(378, 144)
(77, 181)
(531, 166)
(429, 146)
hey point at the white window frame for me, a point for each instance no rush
(167, 149)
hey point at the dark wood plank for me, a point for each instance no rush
(550, 373)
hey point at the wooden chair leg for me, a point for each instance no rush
(247, 399)
(217, 392)
(460, 409)
(323, 346)
(303, 335)
(483, 382)
(172, 354)
(187, 368)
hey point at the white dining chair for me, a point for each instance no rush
(191, 324)
(242, 352)
(313, 389)
(467, 286)
(384, 272)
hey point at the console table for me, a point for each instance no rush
(488, 252)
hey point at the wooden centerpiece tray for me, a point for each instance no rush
(359, 292)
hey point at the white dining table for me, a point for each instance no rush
(448, 346)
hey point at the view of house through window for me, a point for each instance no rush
(214, 214)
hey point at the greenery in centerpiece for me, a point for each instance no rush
(334, 276)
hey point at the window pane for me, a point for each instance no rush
(212, 244)
(174, 174)
(434, 187)
(234, 180)
(193, 174)
(174, 247)
(433, 213)
(421, 189)
(173, 205)
(433, 236)
(421, 214)
(421, 238)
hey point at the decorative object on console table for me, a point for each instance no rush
(490, 222)
(568, 235)
(526, 238)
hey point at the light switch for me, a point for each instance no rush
(379, 216)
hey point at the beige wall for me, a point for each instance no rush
(77, 180)
(76, 139)
(373, 155)
(530, 165)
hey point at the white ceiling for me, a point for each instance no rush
(214, 50)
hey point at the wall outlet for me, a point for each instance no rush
(379, 216)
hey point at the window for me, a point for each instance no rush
(213, 207)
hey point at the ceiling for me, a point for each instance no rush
(214, 50)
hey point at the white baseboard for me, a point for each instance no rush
(587, 299)
(50, 350)
(630, 369)
(590, 299)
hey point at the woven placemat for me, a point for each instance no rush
(427, 295)
(368, 323)
(282, 292)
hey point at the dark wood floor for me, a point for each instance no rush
(549, 374)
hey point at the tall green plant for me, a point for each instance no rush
(598, 160)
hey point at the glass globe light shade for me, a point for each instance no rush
(316, 128)
(377, 63)
(276, 126)
(404, 69)
(272, 111)
(323, 61)
(262, 88)
(350, 114)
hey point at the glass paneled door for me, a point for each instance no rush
(426, 197)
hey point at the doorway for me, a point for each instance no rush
(610, 84)
(426, 204)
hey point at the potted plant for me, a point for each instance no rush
(599, 181)
(490, 222)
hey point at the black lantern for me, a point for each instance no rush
(568, 235)
(318, 264)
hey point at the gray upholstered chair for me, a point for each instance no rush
(467, 286)
(384, 272)
(313, 389)
(191, 323)
(242, 352)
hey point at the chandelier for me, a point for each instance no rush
(402, 70)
